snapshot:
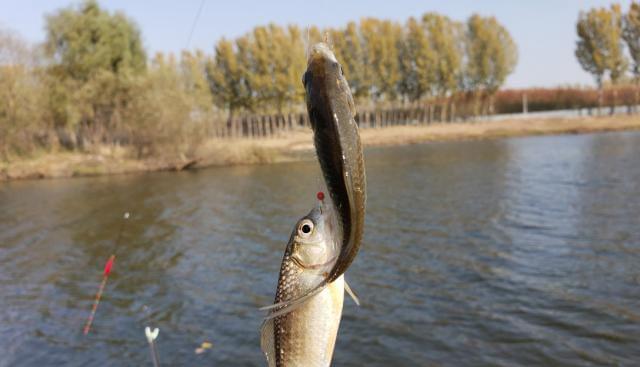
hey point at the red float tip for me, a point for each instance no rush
(109, 265)
(320, 195)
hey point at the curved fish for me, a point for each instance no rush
(306, 335)
(337, 140)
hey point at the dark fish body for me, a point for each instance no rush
(337, 141)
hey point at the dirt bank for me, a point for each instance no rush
(295, 146)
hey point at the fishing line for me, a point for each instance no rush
(307, 45)
(195, 22)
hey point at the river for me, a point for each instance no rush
(522, 251)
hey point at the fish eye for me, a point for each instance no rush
(305, 228)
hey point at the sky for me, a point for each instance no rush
(544, 30)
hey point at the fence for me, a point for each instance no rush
(273, 125)
(508, 104)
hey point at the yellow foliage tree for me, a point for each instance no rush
(599, 47)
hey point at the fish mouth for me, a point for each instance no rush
(321, 51)
(317, 266)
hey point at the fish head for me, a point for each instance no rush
(315, 239)
(324, 80)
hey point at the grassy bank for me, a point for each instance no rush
(295, 146)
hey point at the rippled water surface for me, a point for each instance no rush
(503, 252)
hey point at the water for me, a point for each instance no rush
(504, 252)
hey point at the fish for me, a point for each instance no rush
(306, 335)
(338, 147)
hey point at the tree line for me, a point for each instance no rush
(603, 34)
(92, 82)
(585, 100)
(384, 62)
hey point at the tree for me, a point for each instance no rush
(292, 66)
(443, 35)
(349, 49)
(24, 121)
(228, 77)
(84, 40)
(618, 63)
(491, 56)
(194, 79)
(631, 35)
(277, 62)
(93, 56)
(381, 40)
(599, 47)
(160, 111)
(416, 61)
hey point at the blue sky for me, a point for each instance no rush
(544, 29)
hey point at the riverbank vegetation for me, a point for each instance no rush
(92, 88)
(297, 145)
(92, 84)
(566, 98)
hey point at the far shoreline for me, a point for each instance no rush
(298, 145)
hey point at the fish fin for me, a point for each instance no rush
(267, 344)
(284, 307)
(322, 285)
(351, 293)
(285, 310)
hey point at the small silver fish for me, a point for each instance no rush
(306, 334)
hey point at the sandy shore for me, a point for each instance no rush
(297, 145)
